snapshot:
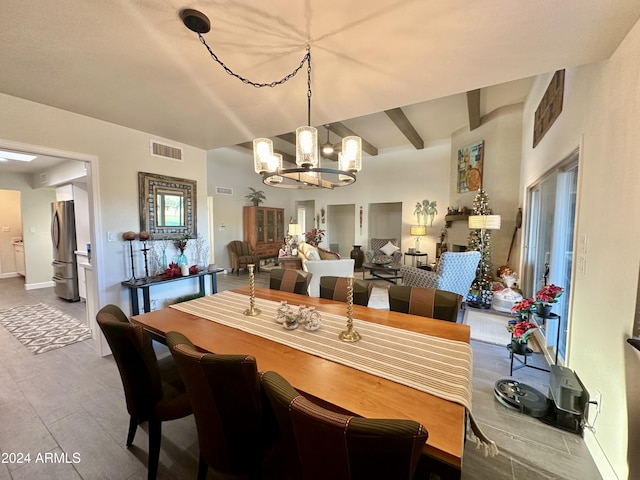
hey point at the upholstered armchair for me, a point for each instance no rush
(242, 254)
(379, 253)
(455, 273)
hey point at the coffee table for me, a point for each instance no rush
(387, 271)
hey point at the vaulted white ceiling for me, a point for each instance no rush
(133, 62)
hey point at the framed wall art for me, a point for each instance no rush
(167, 205)
(470, 165)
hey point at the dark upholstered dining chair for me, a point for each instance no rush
(321, 444)
(288, 280)
(153, 389)
(335, 288)
(233, 435)
(427, 302)
(242, 254)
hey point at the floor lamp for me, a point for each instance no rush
(483, 223)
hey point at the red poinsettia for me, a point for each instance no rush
(549, 294)
(522, 330)
(523, 306)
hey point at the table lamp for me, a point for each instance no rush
(418, 231)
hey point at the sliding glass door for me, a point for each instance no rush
(550, 240)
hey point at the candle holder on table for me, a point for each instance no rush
(350, 335)
(144, 236)
(130, 237)
(252, 311)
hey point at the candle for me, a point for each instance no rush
(184, 270)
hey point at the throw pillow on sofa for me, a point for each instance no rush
(389, 249)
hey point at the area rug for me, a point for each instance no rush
(486, 326)
(42, 328)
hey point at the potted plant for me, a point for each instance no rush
(522, 309)
(545, 297)
(256, 196)
(521, 331)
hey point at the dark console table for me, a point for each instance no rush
(145, 284)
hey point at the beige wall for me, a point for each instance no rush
(116, 154)
(501, 131)
(601, 114)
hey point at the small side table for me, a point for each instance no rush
(290, 263)
(413, 258)
(523, 363)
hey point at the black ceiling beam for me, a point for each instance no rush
(473, 105)
(401, 121)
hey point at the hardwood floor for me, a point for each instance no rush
(70, 401)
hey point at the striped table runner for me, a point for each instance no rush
(434, 365)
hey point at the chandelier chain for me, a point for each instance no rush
(286, 78)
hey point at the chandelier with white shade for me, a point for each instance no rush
(308, 171)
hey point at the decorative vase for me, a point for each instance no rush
(182, 259)
(519, 348)
(357, 255)
(164, 261)
(543, 309)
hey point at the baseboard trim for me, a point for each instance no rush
(598, 455)
(35, 286)
(9, 275)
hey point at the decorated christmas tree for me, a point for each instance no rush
(481, 244)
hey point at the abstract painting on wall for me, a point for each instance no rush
(470, 164)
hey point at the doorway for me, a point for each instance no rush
(341, 228)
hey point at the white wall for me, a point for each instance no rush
(601, 113)
(233, 168)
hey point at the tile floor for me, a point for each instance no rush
(69, 402)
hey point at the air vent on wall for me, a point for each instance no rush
(224, 191)
(165, 151)
(44, 178)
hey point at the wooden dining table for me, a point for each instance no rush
(347, 389)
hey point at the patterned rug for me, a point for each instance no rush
(42, 328)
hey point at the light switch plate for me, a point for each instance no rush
(111, 236)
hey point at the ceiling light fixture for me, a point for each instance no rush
(327, 148)
(308, 173)
(16, 156)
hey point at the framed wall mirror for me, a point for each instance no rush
(168, 205)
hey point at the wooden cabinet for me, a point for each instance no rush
(264, 229)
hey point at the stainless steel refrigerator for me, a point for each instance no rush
(63, 236)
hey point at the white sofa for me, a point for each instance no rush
(320, 268)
